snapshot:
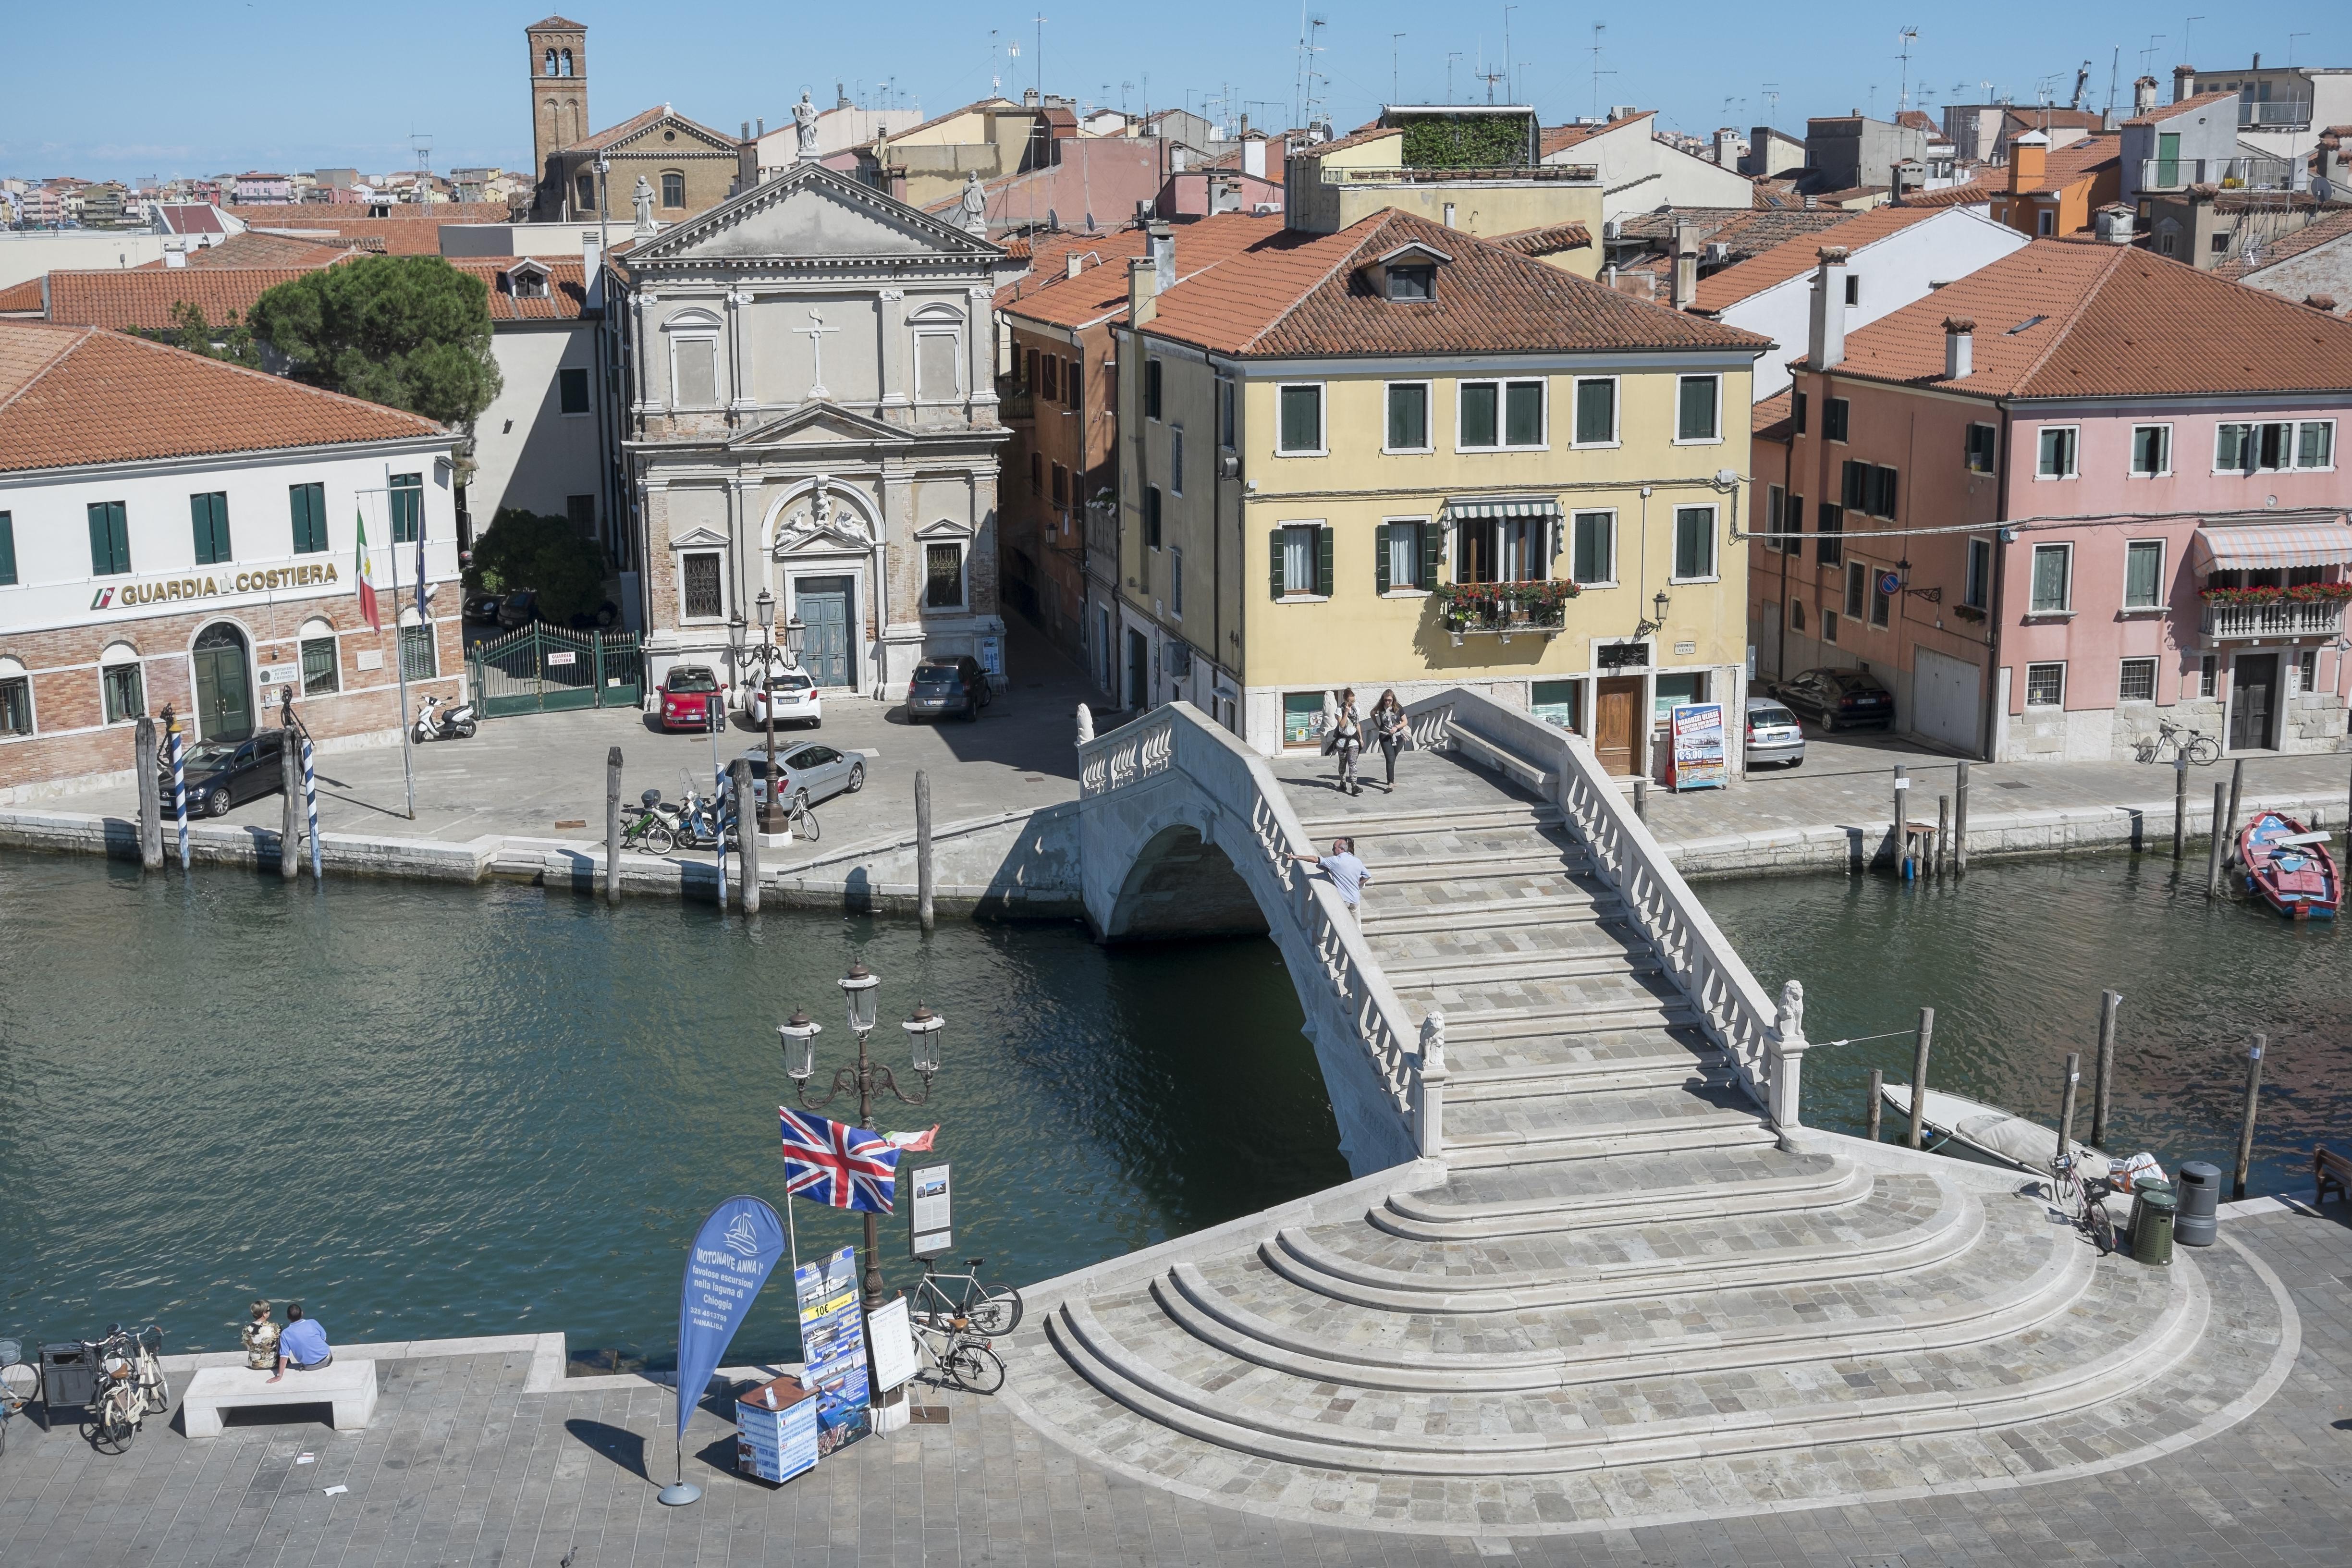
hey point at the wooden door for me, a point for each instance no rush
(2251, 683)
(224, 686)
(1616, 725)
(825, 608)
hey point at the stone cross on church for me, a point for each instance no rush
(813, 412)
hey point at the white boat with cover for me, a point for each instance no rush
(1992, 1133)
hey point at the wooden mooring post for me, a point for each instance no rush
(1920, 1076)
(1902, 818)
(1943, 832)
(1960, 821)
(289, 834)
(2228, 827)
(747, 836)
(2213, 850)
(2066, 1103)
(923, 883)
(2103, 1077)
(2246, 1120)
(1877, 1087)
(613, 825)
(151, 796)
(2179, 803)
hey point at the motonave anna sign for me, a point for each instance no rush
(130, 594)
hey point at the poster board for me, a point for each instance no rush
(833, 1344)
(931, 1220)
(1698, 758)
(893, 1335)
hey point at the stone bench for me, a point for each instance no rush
(347, 1385)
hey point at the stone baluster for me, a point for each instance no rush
(1430, 1106)
(1787, 1045)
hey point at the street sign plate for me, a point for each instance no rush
(1892, 582)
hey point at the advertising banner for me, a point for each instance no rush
(1698, 756)
(732, 1256)
(833, 1344)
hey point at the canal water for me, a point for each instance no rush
(2012, 958)
(429, 1112)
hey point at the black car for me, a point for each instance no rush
(521, 608)
(481, 606)
(1839, 699)
(604, 618)
(225, 773)
(945, 685)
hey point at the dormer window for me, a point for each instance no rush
(527, 280)
(1408, 273)
(1413, 282)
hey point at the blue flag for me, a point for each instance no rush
(733, 1254)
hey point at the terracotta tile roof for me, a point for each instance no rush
(2311, 237)
(2071, 165)
(2018, 122)
(613, 136)
(1962, 196)
(1295, 293)
(1353, 139)
(1795, 258)
(79, 396)
(1550, 239)
(1049, 254)
(567, 289)
(1554, 139)
(553, 23)
(1099, 293)
(1919, 120)
(2203, 100)
(1773, 419)
(2081, 319)
(395, 235)
(190, 217)
(19, 297)
(140, 297)
(257, 249)
(333, 214)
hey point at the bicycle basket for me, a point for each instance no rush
(11, 1352)
(151, 1337)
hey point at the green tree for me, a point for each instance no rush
(532, 550)
(410, 331)
(233, 341)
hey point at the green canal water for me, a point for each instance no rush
(431, 1111)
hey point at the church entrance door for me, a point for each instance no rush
(827, 607)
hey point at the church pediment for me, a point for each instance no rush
(823, 517)
(814, 214)
(699, 538)
(820, 425)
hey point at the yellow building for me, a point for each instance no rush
(1398, 455)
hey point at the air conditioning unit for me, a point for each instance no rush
(1229, 467)
(1717, 253)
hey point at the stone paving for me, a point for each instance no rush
(463, 1467)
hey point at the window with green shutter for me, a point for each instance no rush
(309, 504)
(1323, 562)
(1407, 556)
(1694, 542)
(1523, 414)
(1830, 546)
(1596, 412)
(1302, 419)
(1301, 560)
(1695, 420)
(407, 509)
(1592, 549)
(1152, 516)
(109, 539)
(1479, 401)
(1383, 570)
(2143, 574)
(7, 551)
(1409, 417)
(209, 516)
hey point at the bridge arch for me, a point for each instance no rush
(1182, 885)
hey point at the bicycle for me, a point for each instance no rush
(20, 1384)
(651, 831)
(130, 1386)
(963, 1357)
(801, 817)
(2083, 1201)
(991, 1310)
(2199, 748)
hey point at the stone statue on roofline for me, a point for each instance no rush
(642, 198)
(804, 123)
(973, 203)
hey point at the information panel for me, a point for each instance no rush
(833, 1343)
(894, 1344)
(930, 1225)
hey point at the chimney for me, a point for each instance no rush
(177, 256)
(2029, 162)
(1825, 348)
(1143, 291)
(1164, 255)
(1070, 264)
(2323, 303)
(762, 123)
(592, 266)
(1254, 155)
(2144, 96)
(1029, 98)
(2184, 83)
(1960, 348)
(1686, 284)
(2114, 225)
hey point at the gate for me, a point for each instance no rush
(546, 669)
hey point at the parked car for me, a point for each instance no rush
(688, 693)
(225, 773)
(521, 608)
(794, 693)
(810, 770)
(604, 618)
(945, 685)
(1773, 733)
(482, 605)
(1839, 699)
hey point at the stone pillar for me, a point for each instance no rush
(979, 355)
(738, 382)
(892, 315)
(1785, 1055)
(1429, 1115)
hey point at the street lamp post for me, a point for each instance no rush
(769, 815)
(798, 1035)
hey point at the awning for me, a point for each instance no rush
(1532, 506)
(2268, 547)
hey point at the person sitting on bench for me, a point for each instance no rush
(301, 1344)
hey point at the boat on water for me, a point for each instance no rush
(1992, 1133)
(2290, 870)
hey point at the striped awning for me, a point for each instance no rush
(1525, 506)
(2266, 547)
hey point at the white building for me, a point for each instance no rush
(1640, 174)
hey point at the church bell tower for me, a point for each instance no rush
(559, 89)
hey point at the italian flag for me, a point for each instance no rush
(363, 573)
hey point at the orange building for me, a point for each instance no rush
(2054, 191)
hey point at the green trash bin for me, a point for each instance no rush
(2151, 1237)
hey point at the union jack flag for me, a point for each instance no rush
(830, 1162)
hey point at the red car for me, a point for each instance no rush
(690, 694)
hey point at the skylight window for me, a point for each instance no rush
(2026, 325)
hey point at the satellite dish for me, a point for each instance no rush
(2321, 191)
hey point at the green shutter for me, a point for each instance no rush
(1323, 562)
(110, 538)
(1380, 557)
(1431, 537)
(1273, 554)
(7, 549)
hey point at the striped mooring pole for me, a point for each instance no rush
(310, 798)
(179, 785)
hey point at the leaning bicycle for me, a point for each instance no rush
(130, 1386)
(990, 1308)
(2083, 1200)
(652, 831)
(20, 1384)
(2194, 745)
(963, 1355)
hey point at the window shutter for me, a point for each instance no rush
(1380, 557)
(1273, 554)
(1430, 541)
(1323, 562)
(101, 542)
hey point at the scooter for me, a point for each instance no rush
(701, 821)
(432, 725)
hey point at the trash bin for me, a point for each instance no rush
(69, 1376)
(2152, 1223)
(2140, 1190)
(2201, 1197)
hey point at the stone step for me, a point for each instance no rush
(1418, 1217)
(1490, 1084)
(2138, 1360)
(1190, 1299)
(1723, 1131)
(1453, 868)
(1560, 965)
(1420, 824)
(1593, 1018)
(1393, 919)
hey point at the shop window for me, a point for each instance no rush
(1673, 687)
(1556, 703)
(1302, 718)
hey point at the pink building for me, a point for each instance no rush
(1236, 183)
(2073, 495)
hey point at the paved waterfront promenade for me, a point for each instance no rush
(465, 1467)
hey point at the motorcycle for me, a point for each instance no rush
(457, 724)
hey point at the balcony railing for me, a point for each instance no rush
(2287, 114)
(1537, 608)
(2279, 618)
(2232, 174)
(1549, 174)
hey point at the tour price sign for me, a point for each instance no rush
(930, 1230)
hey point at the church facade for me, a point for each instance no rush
(813, 412)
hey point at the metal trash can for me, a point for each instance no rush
(2200, 1198)
(2140, 1190)
(2152, 1223)
(69, 1376)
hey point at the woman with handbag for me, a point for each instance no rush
(1346, 741)
(1389, 729)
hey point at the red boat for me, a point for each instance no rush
(2291, 869)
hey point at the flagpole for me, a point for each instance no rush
(399, 653)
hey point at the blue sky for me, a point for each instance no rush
(208, 87)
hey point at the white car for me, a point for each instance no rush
(795, 696)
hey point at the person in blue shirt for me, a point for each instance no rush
(1347, 873)
(301, 1344)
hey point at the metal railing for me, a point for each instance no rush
(2234, 173)
(1548, 174)
(1698, 959)
(2282, 618)
(2282, 115)
(1318, 934)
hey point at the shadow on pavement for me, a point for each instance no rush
(622, 1447)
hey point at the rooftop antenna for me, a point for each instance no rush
(1906, 36)
(1512, 96)
(1598, 29)
(1395, 76)
(2114, 66)
(1040, 19)
(1315, 26)
(2186, 58)
(996, 76)
(2291, 38)
(2148, 55)
(1771, 101)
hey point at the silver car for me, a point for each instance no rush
(1773, 733)
(811, 771)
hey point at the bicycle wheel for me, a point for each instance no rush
(972, 1366)
(998, 1310)
(20, 1383)
(2144, 752)
(2204, 751)
(804, 825)
(108, 1426)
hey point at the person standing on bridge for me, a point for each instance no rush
(1346, 741)
(1389, 729)
(1348, 874)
